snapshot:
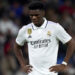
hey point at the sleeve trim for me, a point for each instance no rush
(67, 40)
(19, 43)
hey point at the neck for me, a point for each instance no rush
(40, 23)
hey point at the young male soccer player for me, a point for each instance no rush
(43, 38)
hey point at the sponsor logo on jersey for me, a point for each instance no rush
(29, 32)
(40, 43)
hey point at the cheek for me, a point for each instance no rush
(40, 17)
(31, 18)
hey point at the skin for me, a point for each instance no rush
(36, 17)
(70, 51)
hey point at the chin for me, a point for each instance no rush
(36, 24)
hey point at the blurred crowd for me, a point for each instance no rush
(14, 14)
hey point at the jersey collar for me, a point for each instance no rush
(42, 26)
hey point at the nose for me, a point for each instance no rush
(34, 17)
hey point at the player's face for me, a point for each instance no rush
(36, 16)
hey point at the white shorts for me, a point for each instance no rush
(34, 72)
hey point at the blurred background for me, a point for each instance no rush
(14, 14)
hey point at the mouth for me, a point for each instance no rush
(35, 21)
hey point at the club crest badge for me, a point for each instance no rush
(49, 33)
(29, 31)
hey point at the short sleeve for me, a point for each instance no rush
(62, 35)
(20, 40)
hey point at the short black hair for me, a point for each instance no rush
(36, 5)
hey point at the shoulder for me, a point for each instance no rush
(25, 27)
(51, 22)
(54, 24)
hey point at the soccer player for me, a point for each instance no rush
(42, 37)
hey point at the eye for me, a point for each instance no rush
(34, 15)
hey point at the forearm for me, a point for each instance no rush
(19, 55)
(70, 50)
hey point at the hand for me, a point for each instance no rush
(27, 68)
(58, 68)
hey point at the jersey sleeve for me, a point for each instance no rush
(20, 40)
(62, 35)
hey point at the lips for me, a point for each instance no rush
(35, 21)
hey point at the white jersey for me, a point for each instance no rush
(43, 44)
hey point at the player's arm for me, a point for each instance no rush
(70, 50)
(19, 55)
(19, 42)
(65, 38)
(63, 67)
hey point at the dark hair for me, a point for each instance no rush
(36, 5)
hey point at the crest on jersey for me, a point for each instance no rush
(48, 33)
(29, 31)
